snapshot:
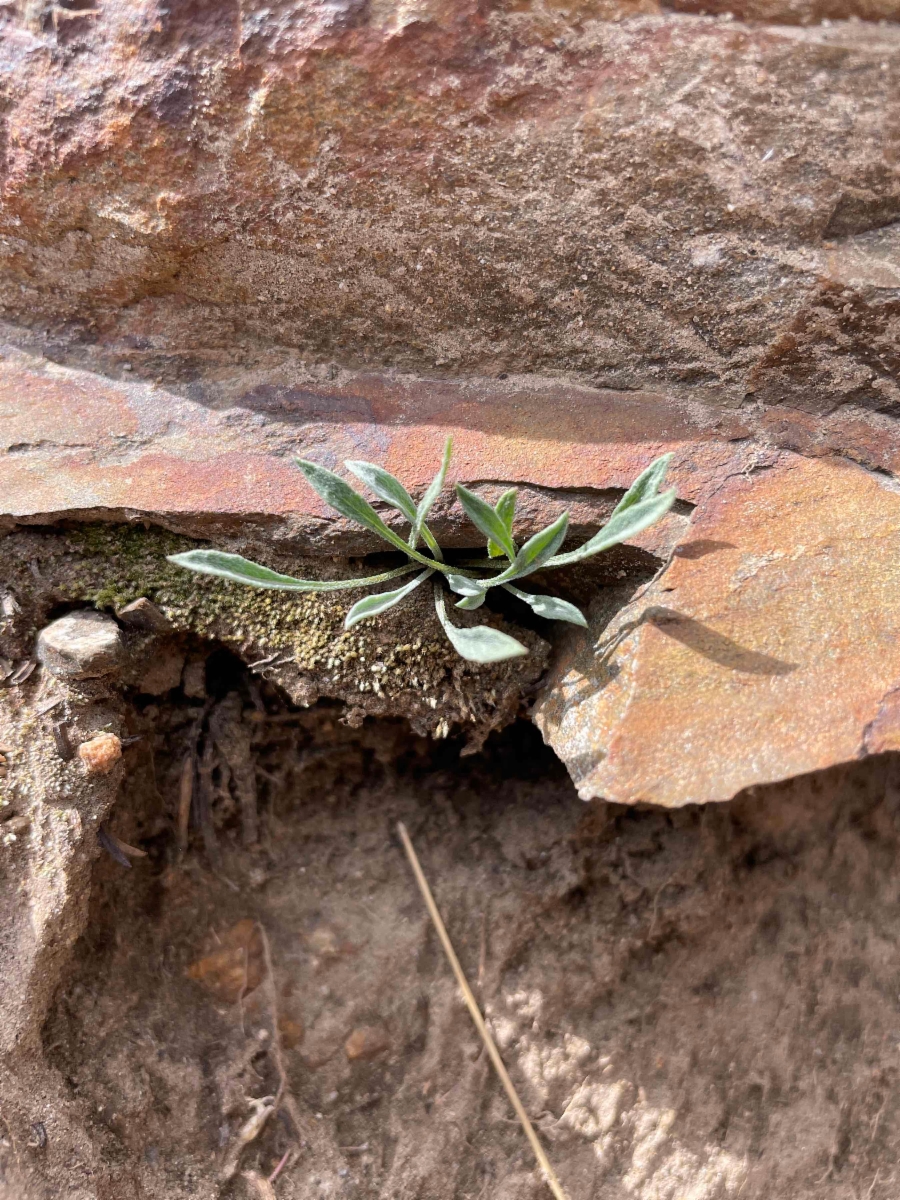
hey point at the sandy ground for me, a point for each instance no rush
(694, 1005)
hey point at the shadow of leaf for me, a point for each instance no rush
(714, 646)
(701, 547)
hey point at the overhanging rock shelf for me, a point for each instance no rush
(768, 647)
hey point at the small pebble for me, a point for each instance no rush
(81, 645)
(366, 1041)
(143, 614)
(101, 753)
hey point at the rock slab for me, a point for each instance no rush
(645, 199)
(769, 648)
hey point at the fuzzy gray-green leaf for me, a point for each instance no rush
(550, 607)
(505, 508)
(371, 606)
(537, 551)
(464, 586)
(242, 570)
(485, 518)
(471, 590)
(341, 496)
(434, 490)
(646, 485)
(619, 528)
(542, 546)
(385, 486)
(471, 602)
(481, 643)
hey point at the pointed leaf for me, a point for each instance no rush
(465, 586)
(480, 644)
(550, 607)
(470, 602)
(482, 515)
(341, 496)
(434, 490)
(371, 606)
(646, 485)
(536, 551)
(505, 508)
(242, 570)
(619, 528)
(483, 644)
(542, 546)
(385, 486)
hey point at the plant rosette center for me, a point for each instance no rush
(506, 563)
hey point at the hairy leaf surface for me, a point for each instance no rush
(371, 606)
(551, 608)
(242, 570)
(487, 519)
(480, 643)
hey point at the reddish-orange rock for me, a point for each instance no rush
(769, 648)
(365, 1042)
(575, 235)
(641, 199)
(236, 967)
(100, 753)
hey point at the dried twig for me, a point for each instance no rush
(282, 1164)
(474, 1011)
(23, 672)
(189, 772)
(117, 849)
(233, 740)
(263, 1107)
(261, 1186)
(62, 740)
(283, 1093)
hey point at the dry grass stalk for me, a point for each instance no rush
(475, 1012)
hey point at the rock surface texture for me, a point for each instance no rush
(769, 648)
(576, 236)
(82, 645)
(639, 198)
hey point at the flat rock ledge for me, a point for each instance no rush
(766, 646)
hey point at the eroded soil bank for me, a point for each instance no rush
(702, 1003)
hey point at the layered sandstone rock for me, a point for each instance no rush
(644, 199)
(575, 235)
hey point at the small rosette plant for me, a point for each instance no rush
(506, 565)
